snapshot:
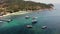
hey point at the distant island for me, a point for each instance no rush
(11, 6)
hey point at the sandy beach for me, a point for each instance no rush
(16, 13)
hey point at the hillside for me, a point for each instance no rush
(17, 5)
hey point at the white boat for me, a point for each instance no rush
(29, 26)
(44, 27)
(34, 17)
(1, 21)
(27, 17)
(34, 21)
(6, 20)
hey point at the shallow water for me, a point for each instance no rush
(51, 19)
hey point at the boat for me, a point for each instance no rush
(6, 20)
(1, 21)
(29, 26)
(34, 17)
(44, 27)
(27, 17)
(34, 21)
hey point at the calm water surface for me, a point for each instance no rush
(51, 19)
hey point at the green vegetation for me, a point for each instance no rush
(17, 5)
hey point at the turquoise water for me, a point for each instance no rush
(51, 19)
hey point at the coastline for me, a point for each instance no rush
(16, 13)
(21, 12)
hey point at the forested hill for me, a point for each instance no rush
(16, 5)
